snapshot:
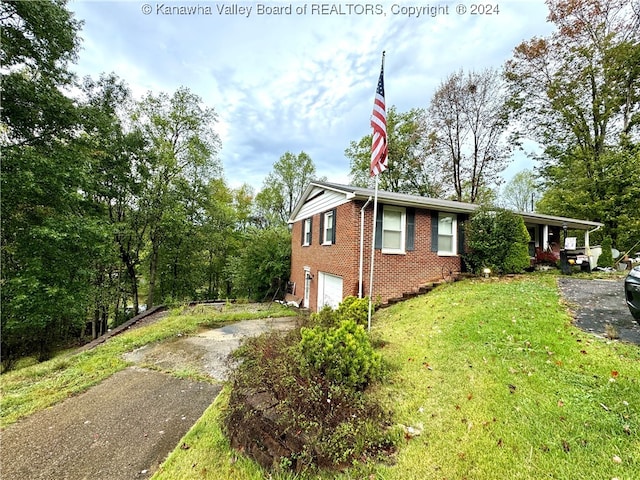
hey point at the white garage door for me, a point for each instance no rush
(329, 290)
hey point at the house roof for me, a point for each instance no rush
(402, 199)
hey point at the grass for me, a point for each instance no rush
(506, 387)
(492, 372)
(36, 387)
(498, 380)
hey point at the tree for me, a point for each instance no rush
(283, 187)
(39, 40)
(180, 159)
(111, 152)
(50, 231)
(410, 170)
(264, 263)
(520, 191)
(577, 93)
(469, 122)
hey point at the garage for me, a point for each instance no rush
(329, 290)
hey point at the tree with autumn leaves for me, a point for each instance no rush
(577, 93)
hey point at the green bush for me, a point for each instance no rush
(338, 424)
(606, 258)
(315, 377)
(342, 354)
(354, 308)
(497, 239)
(327, 317)
(351, 308)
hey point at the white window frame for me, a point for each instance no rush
(328, 239)
(306, 225)
(454, 235)
(403, 228)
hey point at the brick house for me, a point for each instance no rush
(418, 240)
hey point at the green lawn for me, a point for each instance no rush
(498, 381)
(492, 373)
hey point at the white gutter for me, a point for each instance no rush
(586, 238)
(362, 246)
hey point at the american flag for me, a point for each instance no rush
(379, 123)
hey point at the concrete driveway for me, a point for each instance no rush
(598, 303)
(125, 427)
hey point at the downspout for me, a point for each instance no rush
(362, 246)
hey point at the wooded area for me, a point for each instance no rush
(110, 202)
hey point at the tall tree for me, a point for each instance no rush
(410, 170)
(111, 152)
(577, 92)
(283, 187)
(49, 232)
(180, 160)
(470, 120)
(39, 40)
(519, 193)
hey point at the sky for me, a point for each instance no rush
(299, 76)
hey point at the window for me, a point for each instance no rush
(327, 235)
(306, 232)
(393, 229)
(447, 226)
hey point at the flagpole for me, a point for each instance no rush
(373, 251)
(379, 160)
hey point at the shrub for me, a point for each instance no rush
(325, 424)
(303, 395)
(497, 239)
(351, 308)
(342, 354)
(327, 317)
(606, 257)
(354, 308)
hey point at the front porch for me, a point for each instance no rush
(550, 241)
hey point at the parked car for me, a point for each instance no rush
(632, 292)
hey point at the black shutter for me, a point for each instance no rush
(461, 221)
(378, 242)
(335, 226)
(304, 222)
(411, 229)
(310, 230)
(321, 228)
(434, 231)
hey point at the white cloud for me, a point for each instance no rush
(294, 82)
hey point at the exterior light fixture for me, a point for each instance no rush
(486, 272)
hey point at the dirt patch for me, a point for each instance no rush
(599, 307)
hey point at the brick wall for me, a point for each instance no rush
(395, 274)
